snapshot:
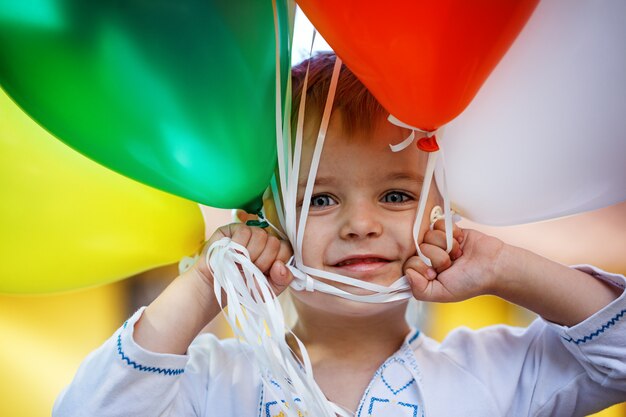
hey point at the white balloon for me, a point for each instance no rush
(546, 135)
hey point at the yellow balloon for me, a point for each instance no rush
(67, 222)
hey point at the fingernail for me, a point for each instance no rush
(431, 273)
(282, 270)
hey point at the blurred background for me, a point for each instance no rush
(44, 338)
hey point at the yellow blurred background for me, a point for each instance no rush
(45, 338)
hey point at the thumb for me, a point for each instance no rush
(280, 276)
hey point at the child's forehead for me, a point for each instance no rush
(375, 136)
(367, 149)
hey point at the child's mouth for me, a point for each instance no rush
(362, 264)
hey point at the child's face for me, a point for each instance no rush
(363, 205)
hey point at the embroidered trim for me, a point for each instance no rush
(262, 397)
(143, 368)
(395, 392)
(379, 373)
(412, 339)
(373, 400)
(413, 406)
(409, 357)
(271, 403)
(598, 332)
(267, 407)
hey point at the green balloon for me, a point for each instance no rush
(177, 94)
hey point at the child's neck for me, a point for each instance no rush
(329, 336)
(346, 351)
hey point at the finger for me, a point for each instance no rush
(239, 216)
(457, 232)
(239, 233)
(438, 257)
(427, 290)
(280, 277)
(415, 264)
(417, 281)
(221, 232)
(438, 238)
(269, 253)
(285, 252)
(257, 243)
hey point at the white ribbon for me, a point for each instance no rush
(256, 317)
(428, 179)
(304, 281)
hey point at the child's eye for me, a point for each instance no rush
(396, 197)
(322, 201)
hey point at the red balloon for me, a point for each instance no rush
(423, 60)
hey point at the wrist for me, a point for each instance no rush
(200, 282)
(505, 273)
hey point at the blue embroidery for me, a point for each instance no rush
(271, 403)
(413, 406)
(395, 392)
(267, 407)
(141, 367)
(379, 373)
(412, 339)
(261, 401)
(373, 400)
(598, 332)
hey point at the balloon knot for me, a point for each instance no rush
(428, 144)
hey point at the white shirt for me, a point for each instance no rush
(542, 370)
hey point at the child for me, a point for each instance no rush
(365, 357)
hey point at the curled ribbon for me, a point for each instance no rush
(427, 143)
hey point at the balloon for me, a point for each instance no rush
(545, 137)
(424, 60)
(70, 223)
(178, 95)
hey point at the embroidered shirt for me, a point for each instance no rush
(541, 370)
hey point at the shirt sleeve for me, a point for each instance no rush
(599, 343)
(121, 379)
(547, 369)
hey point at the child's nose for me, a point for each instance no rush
(361, 222)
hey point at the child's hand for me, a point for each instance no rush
(467, 271)
(267, 252)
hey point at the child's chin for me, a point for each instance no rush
(335, 305)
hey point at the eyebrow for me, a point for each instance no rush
(404, 176)
(318, 181)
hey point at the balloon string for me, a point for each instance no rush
(428, 178)
(256, 317)
(295, 173)
(295, 378)
(319, 145)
